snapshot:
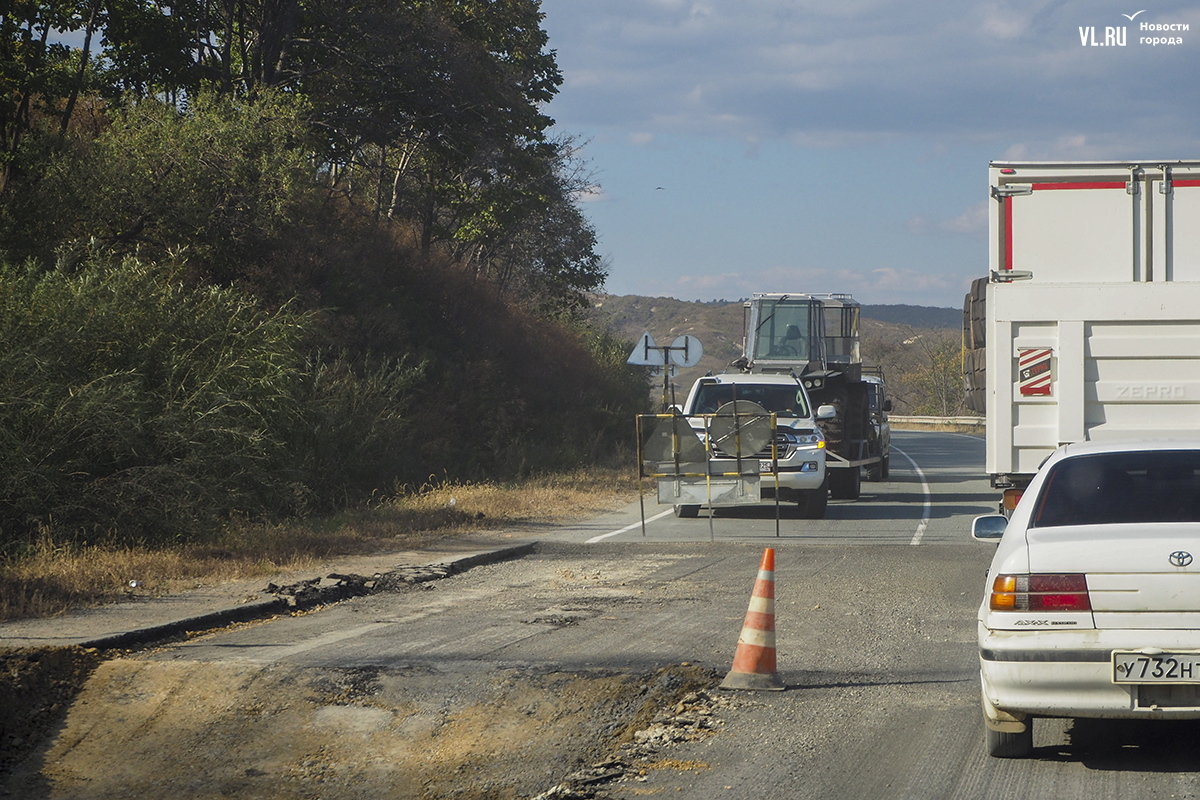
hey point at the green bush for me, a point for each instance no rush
(353, 436)
(220, 180)
(133, 406)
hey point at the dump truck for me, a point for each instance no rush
(1087, 326)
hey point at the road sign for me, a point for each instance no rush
(647, 353)
(686, 351)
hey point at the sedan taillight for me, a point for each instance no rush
(1040, 593)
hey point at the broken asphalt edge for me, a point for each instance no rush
(265, 608)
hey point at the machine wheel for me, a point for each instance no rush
(858, 415)
(1010, 745)
(845, 484)
(687, 512)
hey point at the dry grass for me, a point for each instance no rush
(51, 579)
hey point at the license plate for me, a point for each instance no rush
(1157, 668)
(766, 467)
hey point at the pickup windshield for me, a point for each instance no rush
(1140, 487)
(783, 399)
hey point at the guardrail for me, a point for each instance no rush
(969, 421)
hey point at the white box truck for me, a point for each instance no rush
(1088, 324)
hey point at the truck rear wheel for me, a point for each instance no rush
(687, 512)
(880, 469)
(875, 471)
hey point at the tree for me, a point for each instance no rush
(429, 112)
(525, 231)
(937, 375)
(35, 71)
(219, 180)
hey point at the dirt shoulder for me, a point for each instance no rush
(179, 726)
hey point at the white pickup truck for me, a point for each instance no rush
(1088, 324)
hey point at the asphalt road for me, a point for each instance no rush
(936, 483)
(875, 631)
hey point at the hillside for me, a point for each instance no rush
(917, 346)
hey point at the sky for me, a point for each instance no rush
(740, 146)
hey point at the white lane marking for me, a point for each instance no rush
(916, 540)
(637, 524)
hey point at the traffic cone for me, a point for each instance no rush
(754, 661)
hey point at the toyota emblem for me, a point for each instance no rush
(1180, 558)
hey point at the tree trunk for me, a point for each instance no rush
(82, 72)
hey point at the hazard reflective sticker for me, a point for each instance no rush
(1034, 374)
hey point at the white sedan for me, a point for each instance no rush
(1092, 603)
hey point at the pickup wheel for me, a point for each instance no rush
(813, 503)
(1010, 745)
(687, 512)
(885, 466)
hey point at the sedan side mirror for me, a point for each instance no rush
(989, 527)
(826, 412)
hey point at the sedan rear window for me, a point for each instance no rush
(1146, 486)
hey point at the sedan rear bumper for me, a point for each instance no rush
(1069, 674)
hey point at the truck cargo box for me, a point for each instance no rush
(1088, 324)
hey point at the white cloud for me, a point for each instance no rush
(815, 71)
(972, 222)
(822, 131)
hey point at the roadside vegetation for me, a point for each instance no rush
(265, 272)
(52, 577)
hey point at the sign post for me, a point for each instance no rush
(685, 351)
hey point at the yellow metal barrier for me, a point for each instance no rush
(679, 453)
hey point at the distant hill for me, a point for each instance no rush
(915, 316)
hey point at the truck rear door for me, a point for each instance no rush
(1120, 222)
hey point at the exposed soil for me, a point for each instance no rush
(77, 726)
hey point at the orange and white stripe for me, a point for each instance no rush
(754, 663)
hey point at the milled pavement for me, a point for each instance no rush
(143, 617)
